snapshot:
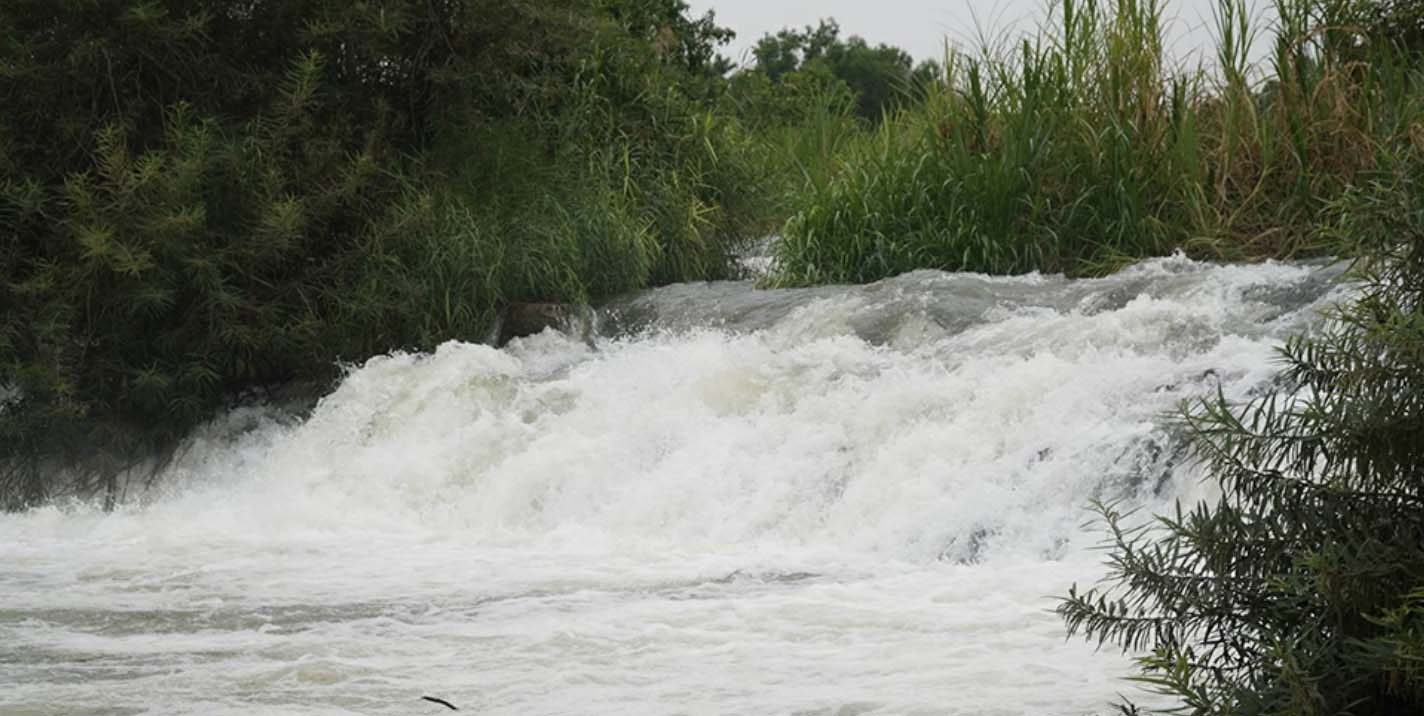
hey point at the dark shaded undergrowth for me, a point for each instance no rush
(202, 198)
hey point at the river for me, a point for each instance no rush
(721, 500)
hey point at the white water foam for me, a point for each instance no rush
(832, 501)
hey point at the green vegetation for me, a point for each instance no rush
(873, 80)
(201, 198)
(1300, 590)
(1082, 149)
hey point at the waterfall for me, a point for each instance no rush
(836, 500)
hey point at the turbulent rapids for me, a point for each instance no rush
(842, 500)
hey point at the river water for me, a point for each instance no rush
(842, 500)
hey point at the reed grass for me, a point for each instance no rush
(1082, 148)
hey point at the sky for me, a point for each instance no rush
(921, 26)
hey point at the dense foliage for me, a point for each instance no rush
(876, 79)
(199, 198)
(1399, 23)
(1083, 148)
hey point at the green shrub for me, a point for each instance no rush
(1300, 590)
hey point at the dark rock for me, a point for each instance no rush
(526, 319)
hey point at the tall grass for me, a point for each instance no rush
(602, 208)
(808, 151)
(1082, 148)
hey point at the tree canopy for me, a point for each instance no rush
(878, 77)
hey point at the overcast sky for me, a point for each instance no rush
(921, 26)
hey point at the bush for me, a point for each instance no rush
(1300, 590)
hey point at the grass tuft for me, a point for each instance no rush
(1080, 149)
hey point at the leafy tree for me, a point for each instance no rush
(689, 43)
(879, 77)
(789, 50)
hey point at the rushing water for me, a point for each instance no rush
(823, 501)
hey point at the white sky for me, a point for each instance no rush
(921, 26)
